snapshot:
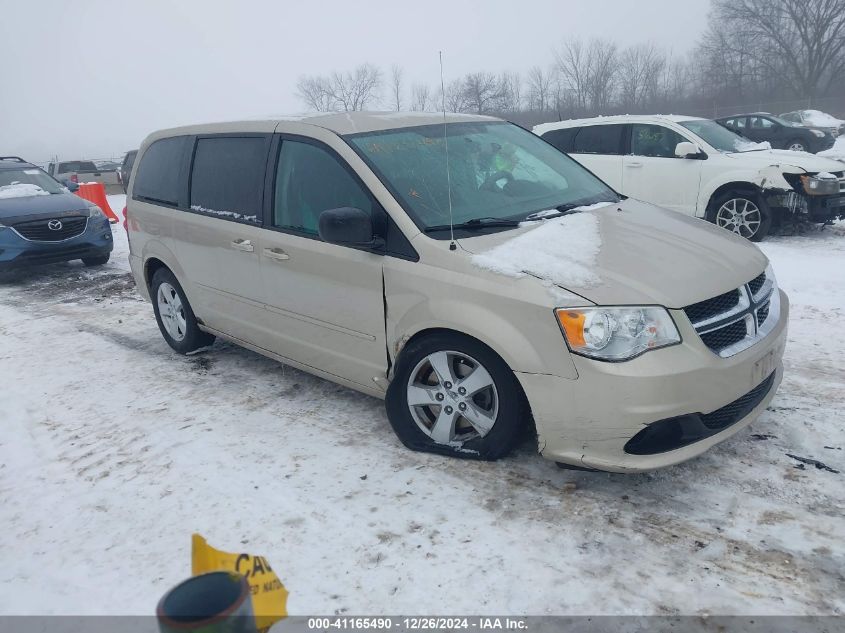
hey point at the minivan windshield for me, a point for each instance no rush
(718, 137)
(31, 181)
(498, 172)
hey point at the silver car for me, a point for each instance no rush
(477, 279)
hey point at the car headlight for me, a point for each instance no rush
(95, 212)
(615, 334)
(823, 184)
(817, 133)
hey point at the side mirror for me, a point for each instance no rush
(73, 187)
(686, 149)
(349, 226)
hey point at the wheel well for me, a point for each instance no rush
(152, 266)
(403, 343)
(737, 187)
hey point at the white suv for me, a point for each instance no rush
(697, 167)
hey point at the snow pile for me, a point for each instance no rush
(817, 118)
(225, 214)
(561, 250)
(749, 146)
(21, 190)
(837, 152)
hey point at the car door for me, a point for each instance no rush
(218, 237)
(599, 149)
(654, 174)
(324, 302)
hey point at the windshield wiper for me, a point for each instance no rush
(564, 209)
(473, 225)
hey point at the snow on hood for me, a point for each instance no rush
(21, 190)
(811, 163)
(561, 251)
(742, 145)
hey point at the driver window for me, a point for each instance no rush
(654, 140)
(310, 180)
(759, 123)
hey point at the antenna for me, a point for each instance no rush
(452, 246)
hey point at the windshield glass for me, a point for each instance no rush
(27, 182)
(498, 171)
(718, 137)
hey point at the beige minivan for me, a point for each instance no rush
(469, 273)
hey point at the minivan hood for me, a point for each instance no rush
(36, 207)
(800, 160)
(648, 256)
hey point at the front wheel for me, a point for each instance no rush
(453, 395)
(174, 315)
(745, 214)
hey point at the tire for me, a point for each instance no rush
(750, 207)
(797, 145)
(496, 414)
(178, 326)
(96, 261)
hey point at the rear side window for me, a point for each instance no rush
(158, 175)
(598, 139)
(562, 139)
(227, 179)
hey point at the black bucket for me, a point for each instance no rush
(218, 602)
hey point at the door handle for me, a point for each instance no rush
(633, 164)
(276, 253)
(242, 245)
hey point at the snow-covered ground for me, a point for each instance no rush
(113, 450)
(837, 151)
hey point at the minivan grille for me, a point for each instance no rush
(731, 322)
(41, 231)
(738, 409)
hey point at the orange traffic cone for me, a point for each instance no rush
(96, 192)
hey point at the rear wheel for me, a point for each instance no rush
(743, 213)
(454, 395)
(174, 315)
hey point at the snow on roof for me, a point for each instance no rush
(821, 119)
(618, 118)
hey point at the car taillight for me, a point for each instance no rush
(74, 178)
(125, 221)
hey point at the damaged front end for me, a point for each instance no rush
(807, 197)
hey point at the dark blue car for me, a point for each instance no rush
(42, 222)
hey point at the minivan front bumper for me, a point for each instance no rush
(591, 421)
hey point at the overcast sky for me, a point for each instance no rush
(91, 78)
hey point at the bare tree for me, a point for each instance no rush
(574, 68)
(455, 99)
(801, 40)
(510, 92)
(540, 89)
(602, 66)
(396, 86)
(420, 97)
(314, 92)
(641, 69)
(482, 92)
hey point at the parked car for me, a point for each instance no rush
(42, 222)
(82, 171)
(519, 286)
(126, 168)
(699, 168)
(762, 127)
(816, 119)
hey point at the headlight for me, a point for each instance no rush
(817, 133)
(96, 212)
(616, 334)
(823, 184)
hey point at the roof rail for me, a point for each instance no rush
(17, 158)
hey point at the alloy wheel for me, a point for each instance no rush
(172, 311)
(796, 147)
(452, 397)
(741, 216)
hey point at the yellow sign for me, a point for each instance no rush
(269, 596)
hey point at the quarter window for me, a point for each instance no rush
(310, 180)
(598, 139)
(227, 179)
(158, 176)
(654, 140)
